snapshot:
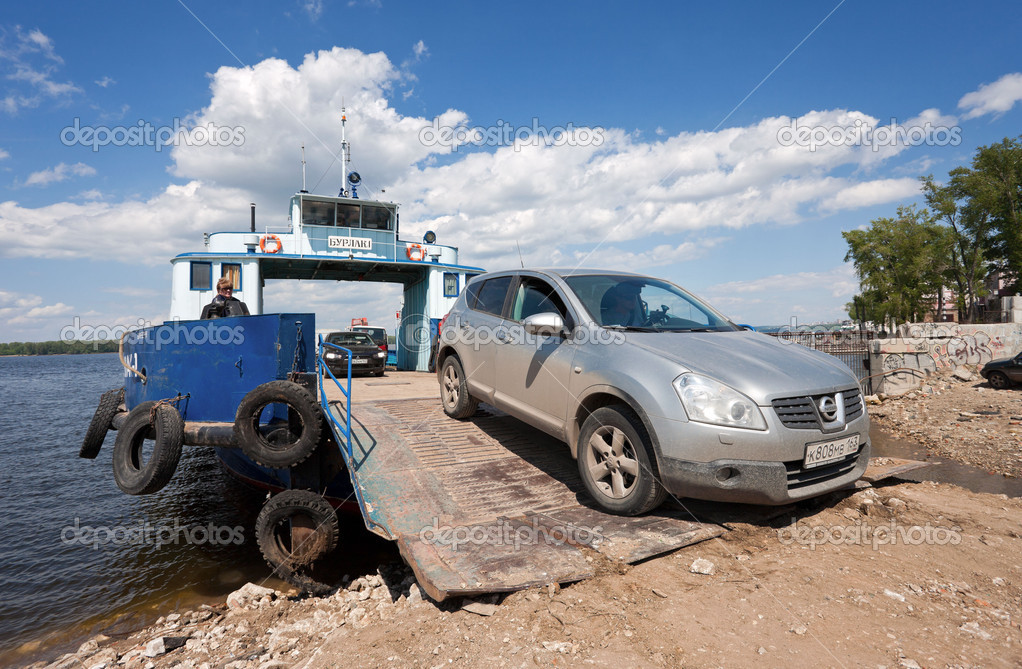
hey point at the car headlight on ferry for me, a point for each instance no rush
(709, 401)
(381, 354)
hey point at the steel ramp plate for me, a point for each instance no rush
(489, 504)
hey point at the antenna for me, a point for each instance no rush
(303, 168)
(520, 259)
(345, 157)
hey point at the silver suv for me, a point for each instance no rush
(652, 389)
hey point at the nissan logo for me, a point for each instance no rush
(827, 407)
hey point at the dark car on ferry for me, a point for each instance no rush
(654, 392)
(366, 356)
(377, 334)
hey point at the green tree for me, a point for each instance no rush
(969, 229)
(901, 263)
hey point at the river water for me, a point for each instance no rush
(78, 556)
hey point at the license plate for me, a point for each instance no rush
(359, 361)
(823, 452)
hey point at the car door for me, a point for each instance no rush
(533, 370)
(475, 330)
(1014, 370)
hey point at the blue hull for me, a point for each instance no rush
(338, 490)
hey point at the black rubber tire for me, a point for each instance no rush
(279, 453)
(276, 515)
(638, 492)
(101, 423)
(454, 396)
(999, 380)
(167, 430)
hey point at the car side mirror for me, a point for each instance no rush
(546, 323)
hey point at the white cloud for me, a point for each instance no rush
(61, 172)
(607, 189)
(30, 58)
(314, 8)
(420, 49)
(105, 82)
(4, 154)
(994, 98)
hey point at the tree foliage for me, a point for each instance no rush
(972, 225)
(900, 263)
(57, 347)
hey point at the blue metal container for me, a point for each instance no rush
(213, 364)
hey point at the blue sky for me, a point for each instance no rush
(691, 180)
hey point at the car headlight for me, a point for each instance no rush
(709, 401)
(381, 354)
(330, 355)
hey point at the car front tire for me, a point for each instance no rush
(454, 390)
(999, 380)
(616, 462)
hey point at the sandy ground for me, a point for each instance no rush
(900, 575)
(959, 416)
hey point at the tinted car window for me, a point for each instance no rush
(491, 294)
(350, 339)
(535, 297)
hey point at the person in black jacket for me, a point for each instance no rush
(224, 304)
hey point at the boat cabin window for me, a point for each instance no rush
(376, 218)
(317, 213)
(347, 215)
(232, 271)
(202, 276)
(450, 284)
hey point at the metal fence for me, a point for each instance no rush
(849, 346)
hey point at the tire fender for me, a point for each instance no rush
(149, 420)
(101, 423)
(286, 449)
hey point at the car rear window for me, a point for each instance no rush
(490, 295)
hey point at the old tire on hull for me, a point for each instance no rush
(617, 464)
(101, 422)
(294, 529)
(454, 395)
(164, 426)
(304, 425)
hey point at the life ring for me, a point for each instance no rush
(166, 428)
(274, 447)
(277, 246)
(415, 252)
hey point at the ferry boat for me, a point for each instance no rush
(251, 386)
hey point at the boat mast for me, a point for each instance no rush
(345, 156)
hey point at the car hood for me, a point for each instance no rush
(996, 364)
(760, 366)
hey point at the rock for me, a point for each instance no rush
(799, 630)
(701, 566)
(909, 664)
(248, 593)
(963, 374)
(563, 647)
(975, 629)
(896, 503)
(163, 644)
(479, 608)
(894, 595)
(659, 593)
(872, 400)
(88, 648)
(414, 594)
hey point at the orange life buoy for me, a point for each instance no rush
(277, 246)
(416, 252)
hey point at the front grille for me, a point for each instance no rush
(799, 413)
(799, 477)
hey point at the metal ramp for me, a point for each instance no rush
(487, 504)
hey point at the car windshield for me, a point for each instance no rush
(644, 303)
(350, 339)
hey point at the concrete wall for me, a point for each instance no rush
(921, 349)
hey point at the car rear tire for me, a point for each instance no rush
(999, 380)
(454, 390)
(616, 462)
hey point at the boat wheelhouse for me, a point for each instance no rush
(329, 239)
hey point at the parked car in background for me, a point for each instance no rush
(366, 356)
(1003, 373)
(377, 334)
(653, 390)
